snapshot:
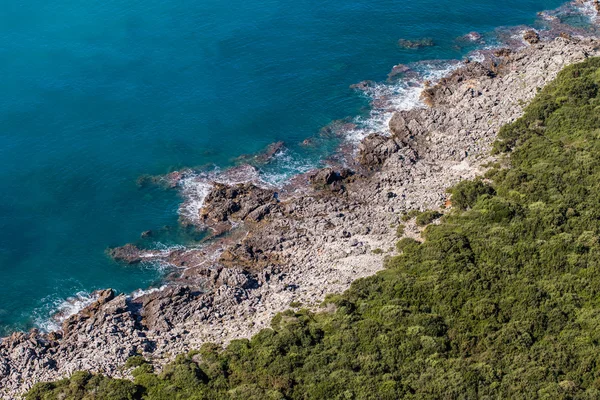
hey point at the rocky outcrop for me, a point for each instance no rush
(226, 204)
(128, 254)
(531, 37)
(328, 178)
(469, 72)
(375, 149)
(294, 248)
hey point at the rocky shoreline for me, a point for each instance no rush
(276, 248)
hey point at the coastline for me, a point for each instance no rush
(234, 286)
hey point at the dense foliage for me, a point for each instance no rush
(502, 300)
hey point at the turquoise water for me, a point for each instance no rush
(97, 93)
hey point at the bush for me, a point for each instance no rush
(135, 361)
(406, 243)
(427, 217)
(466, 193)
(400, 230)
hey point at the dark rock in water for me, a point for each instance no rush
(531, 37)
(375, 149)
(168, 181)
(364, 85)
(473, 36)
(264, 156)
(128, 253)
(236, 203)
(309, 142)
(147, 234)
(415, 44)
(403, 71)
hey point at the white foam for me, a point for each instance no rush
(588, 9)
(196, 186)
(283, 167)
(141, 292)
(194, 189)
(389, 98)
(477, 56)
(62, 309)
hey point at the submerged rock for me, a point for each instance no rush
(264, 156)
(128, 253)
(416, 44)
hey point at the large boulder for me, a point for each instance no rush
(531, 37)
(471, 70)
(375, 149)
(405, 125)
(129, 254)
(328, 178)
(241, 202)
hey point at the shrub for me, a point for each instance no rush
(135, 361)
(400, 230)
(466, 193)
(406, 243)
(427, 217)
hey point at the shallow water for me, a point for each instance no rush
(97, 93)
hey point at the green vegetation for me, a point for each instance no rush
(501, 301)
(400, 230)
(427, 217)
(83, 385)
(410, 215)
(406, 244)
(135, 361)
(466, 193)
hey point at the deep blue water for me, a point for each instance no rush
(97, 93)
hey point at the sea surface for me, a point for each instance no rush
(97, 93)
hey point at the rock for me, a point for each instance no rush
(531, 37)
(444, 88)
(264, 156)
(235, 203)
(415, 44)
(103, 297)
(503, 52)
(128, 253)
(405, 125)
(375, 149)
(329, 178)
(363, 86)
(473, 36)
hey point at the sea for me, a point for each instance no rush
(96, 94)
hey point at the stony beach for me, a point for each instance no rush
(276, 248)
